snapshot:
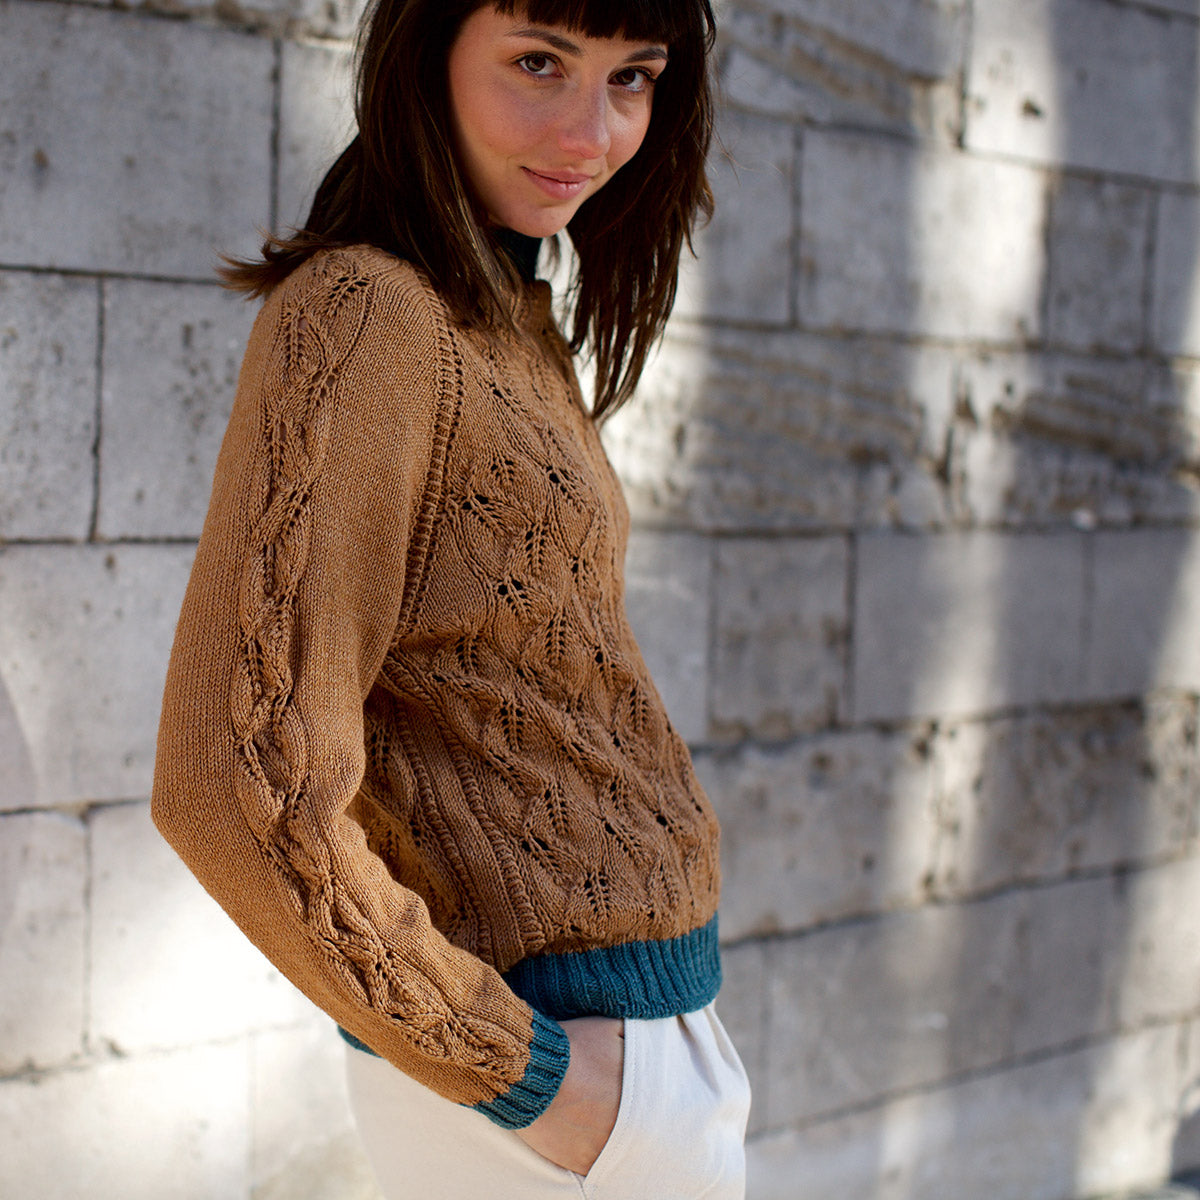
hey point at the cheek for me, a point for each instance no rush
(627, 137)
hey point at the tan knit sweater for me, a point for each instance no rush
(408, 741)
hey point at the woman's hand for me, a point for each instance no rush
(573, 1129)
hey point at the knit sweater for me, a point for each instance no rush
(408, 741)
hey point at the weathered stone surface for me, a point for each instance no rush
(1186, 1151)
(291, 18)
(917, 997)
(1094, 1121)
(795, 432)
(1069, 961)
(1038, 797)
(893, 68)
(136, 1129)
(1099, 233)
(169, 968)
(316, 120)
(667, 590)
(149, 151)
(1143, 628)
(840, 826)
(918, 241)
(1175, 313)
(48, 338)
(1050, 438)
(872, 1009)
(743, 265)
(966, 623)
(171, 357)
(84, 637)
(1103, 86)
(781, 633)
(304, 1143)
(1157, 976)
(43, 877)
(785, 432)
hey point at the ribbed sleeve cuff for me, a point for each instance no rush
(527, 1099)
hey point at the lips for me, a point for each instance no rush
(561, 185)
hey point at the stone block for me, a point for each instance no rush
(834, 827)
(737, 430)
(171, 358)
(168, 967)
(895, 68)
(48, 339)
(316, 121)
(1175, 313)
(43, 877)
(1099, 242)
(966, 623)
(1106, 87)
(667, 589)
(1095, 1121)
(875, 1008)
(1143, 632)
(135, 1129)
(743, 265)
(84, 636)
(941, 244)
(1031, 798)
(150, 149)
(781, 644)
(304, 1143)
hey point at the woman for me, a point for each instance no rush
(408, 741)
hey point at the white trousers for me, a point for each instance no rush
(679, 1132)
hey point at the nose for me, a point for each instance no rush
(583, 131)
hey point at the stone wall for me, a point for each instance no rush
(915, 480)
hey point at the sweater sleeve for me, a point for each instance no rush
(318, 521)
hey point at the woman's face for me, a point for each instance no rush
(544, 116)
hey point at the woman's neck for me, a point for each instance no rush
(522, 250)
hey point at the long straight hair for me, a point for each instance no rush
(398, 185)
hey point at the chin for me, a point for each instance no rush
(539, 224)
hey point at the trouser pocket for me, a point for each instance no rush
(682, 1120)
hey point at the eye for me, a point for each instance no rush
(635, 79)
(535, 63)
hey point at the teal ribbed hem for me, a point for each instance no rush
(641, 980)
(525, 1101)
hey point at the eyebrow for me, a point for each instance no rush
(656, 53)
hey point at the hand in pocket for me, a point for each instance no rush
(574, 1128)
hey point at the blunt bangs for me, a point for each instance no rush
(668, 21)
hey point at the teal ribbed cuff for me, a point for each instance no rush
(526, 1100)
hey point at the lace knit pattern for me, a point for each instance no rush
(408, 739)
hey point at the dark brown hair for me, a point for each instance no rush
(398, 185)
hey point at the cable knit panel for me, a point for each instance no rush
(408, 740)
